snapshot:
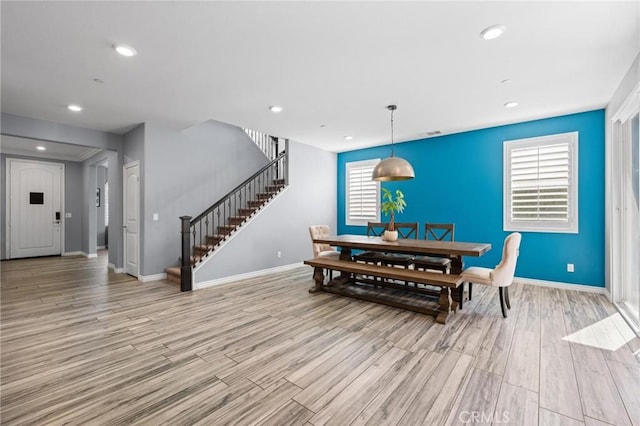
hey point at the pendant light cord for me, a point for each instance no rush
(392, 108)
(392, 132)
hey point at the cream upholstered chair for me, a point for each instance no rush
(502, 275)
(322, 250)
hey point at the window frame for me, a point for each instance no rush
(348, 167)
(569, 227)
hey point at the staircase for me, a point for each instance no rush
(208, 232)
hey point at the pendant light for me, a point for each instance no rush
(393, 168)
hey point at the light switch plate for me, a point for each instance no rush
(155, 217)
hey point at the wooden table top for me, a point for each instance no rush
(406, 245)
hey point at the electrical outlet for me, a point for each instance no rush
(570, 267)
(155, 217)
(67, 215)
(279, 253)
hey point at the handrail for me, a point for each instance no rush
(237, 188)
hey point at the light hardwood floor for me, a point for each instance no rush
(83, 346)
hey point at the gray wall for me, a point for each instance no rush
(72, 202)
(185, 172)
(283, 226)
(26, 127)
(84, 196)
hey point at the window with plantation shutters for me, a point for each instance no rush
(541, 184)
(362, 194)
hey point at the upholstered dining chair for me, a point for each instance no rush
(322, 250)
(502, 275)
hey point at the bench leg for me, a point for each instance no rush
(446, 305)
(318, 277)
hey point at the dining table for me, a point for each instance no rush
(345, 284)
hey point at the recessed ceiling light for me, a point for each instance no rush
(275, 108)
(41, 148)
(506, 81)
(348, 138)
(125, 50)
(74, 108)
(511, 104)
(492, 32)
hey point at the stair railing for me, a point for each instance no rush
(270, 145)
(219, 221)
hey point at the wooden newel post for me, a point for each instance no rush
(185, 268)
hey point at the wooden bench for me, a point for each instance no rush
(386, 292)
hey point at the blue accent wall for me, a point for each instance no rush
(459, 179)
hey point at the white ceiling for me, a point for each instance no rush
(327, 63)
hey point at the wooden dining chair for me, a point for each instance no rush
(438, 232)
(405, 230)
(502, 275)
(374, 229)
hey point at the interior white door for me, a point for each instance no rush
(35, 212)
(131, 218)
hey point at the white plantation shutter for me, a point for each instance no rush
(541, 184)
(362, 194)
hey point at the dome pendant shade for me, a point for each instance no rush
(393, 168)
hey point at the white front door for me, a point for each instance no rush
(131, 217)
(35, 208)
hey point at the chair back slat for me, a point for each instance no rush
(439, 231)
(407, 229)
(376, 229)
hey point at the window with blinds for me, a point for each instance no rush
(362, 194)
(541, 184)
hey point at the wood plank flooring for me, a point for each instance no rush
(81, 345)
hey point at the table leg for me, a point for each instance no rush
(345, 254)
(456, 264)
(446, 305)
(318, 277)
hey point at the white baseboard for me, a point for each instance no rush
(113, 268)
(561, 286)
(155, 277)
(73, 253)
(245, 276)
(100, 248)
(89, 255)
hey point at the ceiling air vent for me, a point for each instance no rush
(434, 133)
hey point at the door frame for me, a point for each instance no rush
(613, 237)
(124, 215)
(7, 193)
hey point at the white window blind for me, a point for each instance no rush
(541, 184)
(362, 194)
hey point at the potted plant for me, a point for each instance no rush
(391, 205)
